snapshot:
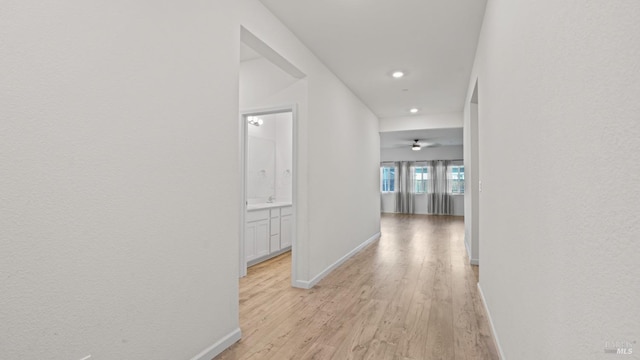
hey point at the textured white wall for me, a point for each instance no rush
(559, 88)
(118, 236)
(344, 163)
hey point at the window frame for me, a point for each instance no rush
(425, 178)
(451, 180)
(382, 179)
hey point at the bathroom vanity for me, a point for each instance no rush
(268, 231)
(269, 185)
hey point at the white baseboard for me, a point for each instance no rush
(215, 349)
(311, 283)
(493, 329)
(301, 284)
(466, 246)
(268, 256)
(471, 261)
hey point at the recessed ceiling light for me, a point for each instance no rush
(413, 110)
(397, 74)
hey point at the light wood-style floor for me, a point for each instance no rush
(411, 295)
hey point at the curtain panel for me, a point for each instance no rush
(439, 201)
(405, 196)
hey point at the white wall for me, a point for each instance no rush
(428, 153)
(559, 83)
(419, 122)
(337, 169)
(262, 85)
(118, 236)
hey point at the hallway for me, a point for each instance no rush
(411, 295)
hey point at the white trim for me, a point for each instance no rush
(220, 346)
(268, 256)
(300, 284)
(493, 329)
(243, 147)
(471, 261)
(311, 283)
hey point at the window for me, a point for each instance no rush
(455, 175)
(420, 179)
(387, 179)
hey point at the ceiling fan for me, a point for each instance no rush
(418, 145)
(411, 143)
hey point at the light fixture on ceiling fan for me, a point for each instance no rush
(416, 146)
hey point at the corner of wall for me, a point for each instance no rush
(467, 246)
(220, 346)
(316, 279)
(496, 340)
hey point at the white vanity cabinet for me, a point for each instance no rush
(256, 235)
(267, 233)
(286, 226)
(274, 244)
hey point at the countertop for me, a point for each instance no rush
(262, 206)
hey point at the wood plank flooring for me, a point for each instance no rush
(410, 295)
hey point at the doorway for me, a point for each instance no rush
(270, 84)
(269, 185)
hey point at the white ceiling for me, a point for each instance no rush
(429, 137)
(363, 41)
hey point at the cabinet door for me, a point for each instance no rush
(250, 241)
(275, 226)
(262, 237)
(275, 243)
(286, 227)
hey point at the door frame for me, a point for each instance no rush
(244, 145)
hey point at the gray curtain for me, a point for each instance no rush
(437, 197)
(439, 200)
(405, 197)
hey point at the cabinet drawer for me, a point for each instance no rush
(275, 226)
(275, 212)
(287, 210)
(257, 215)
